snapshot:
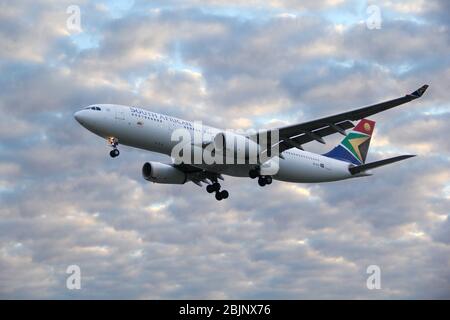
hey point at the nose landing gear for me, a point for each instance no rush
(114, 142)
(114, 153)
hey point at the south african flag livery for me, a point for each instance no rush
(355, 145)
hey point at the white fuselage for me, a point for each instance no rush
(152, 131)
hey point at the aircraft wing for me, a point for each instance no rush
(298, 134)
(197, 175)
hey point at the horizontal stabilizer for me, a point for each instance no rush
(376, 164)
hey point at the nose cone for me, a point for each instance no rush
(76, 115)
(80, 116)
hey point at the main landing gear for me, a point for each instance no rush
(114, 142)
(215, 187)
(262, 180)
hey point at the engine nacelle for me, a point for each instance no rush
(235, 144)
(163, 173)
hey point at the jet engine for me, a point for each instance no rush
(163, 173)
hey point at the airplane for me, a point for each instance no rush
(143, 129)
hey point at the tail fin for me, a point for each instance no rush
(354, 147)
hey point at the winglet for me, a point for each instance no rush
(419, 92)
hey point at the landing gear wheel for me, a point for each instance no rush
(268, 179)
(210, 188)
(113, 142)
(253, 173)
(219, 196)
(224, 194)
(216, 186)
(114, 153)
(262, 181)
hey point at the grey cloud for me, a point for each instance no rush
(65, 202)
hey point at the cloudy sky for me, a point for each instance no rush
(239, 64)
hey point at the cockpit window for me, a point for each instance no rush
(98, 108)
(93, 108)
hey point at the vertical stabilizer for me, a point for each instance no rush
(354, 147)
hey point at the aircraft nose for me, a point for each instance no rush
(80, 116)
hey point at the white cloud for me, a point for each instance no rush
(65, 202)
